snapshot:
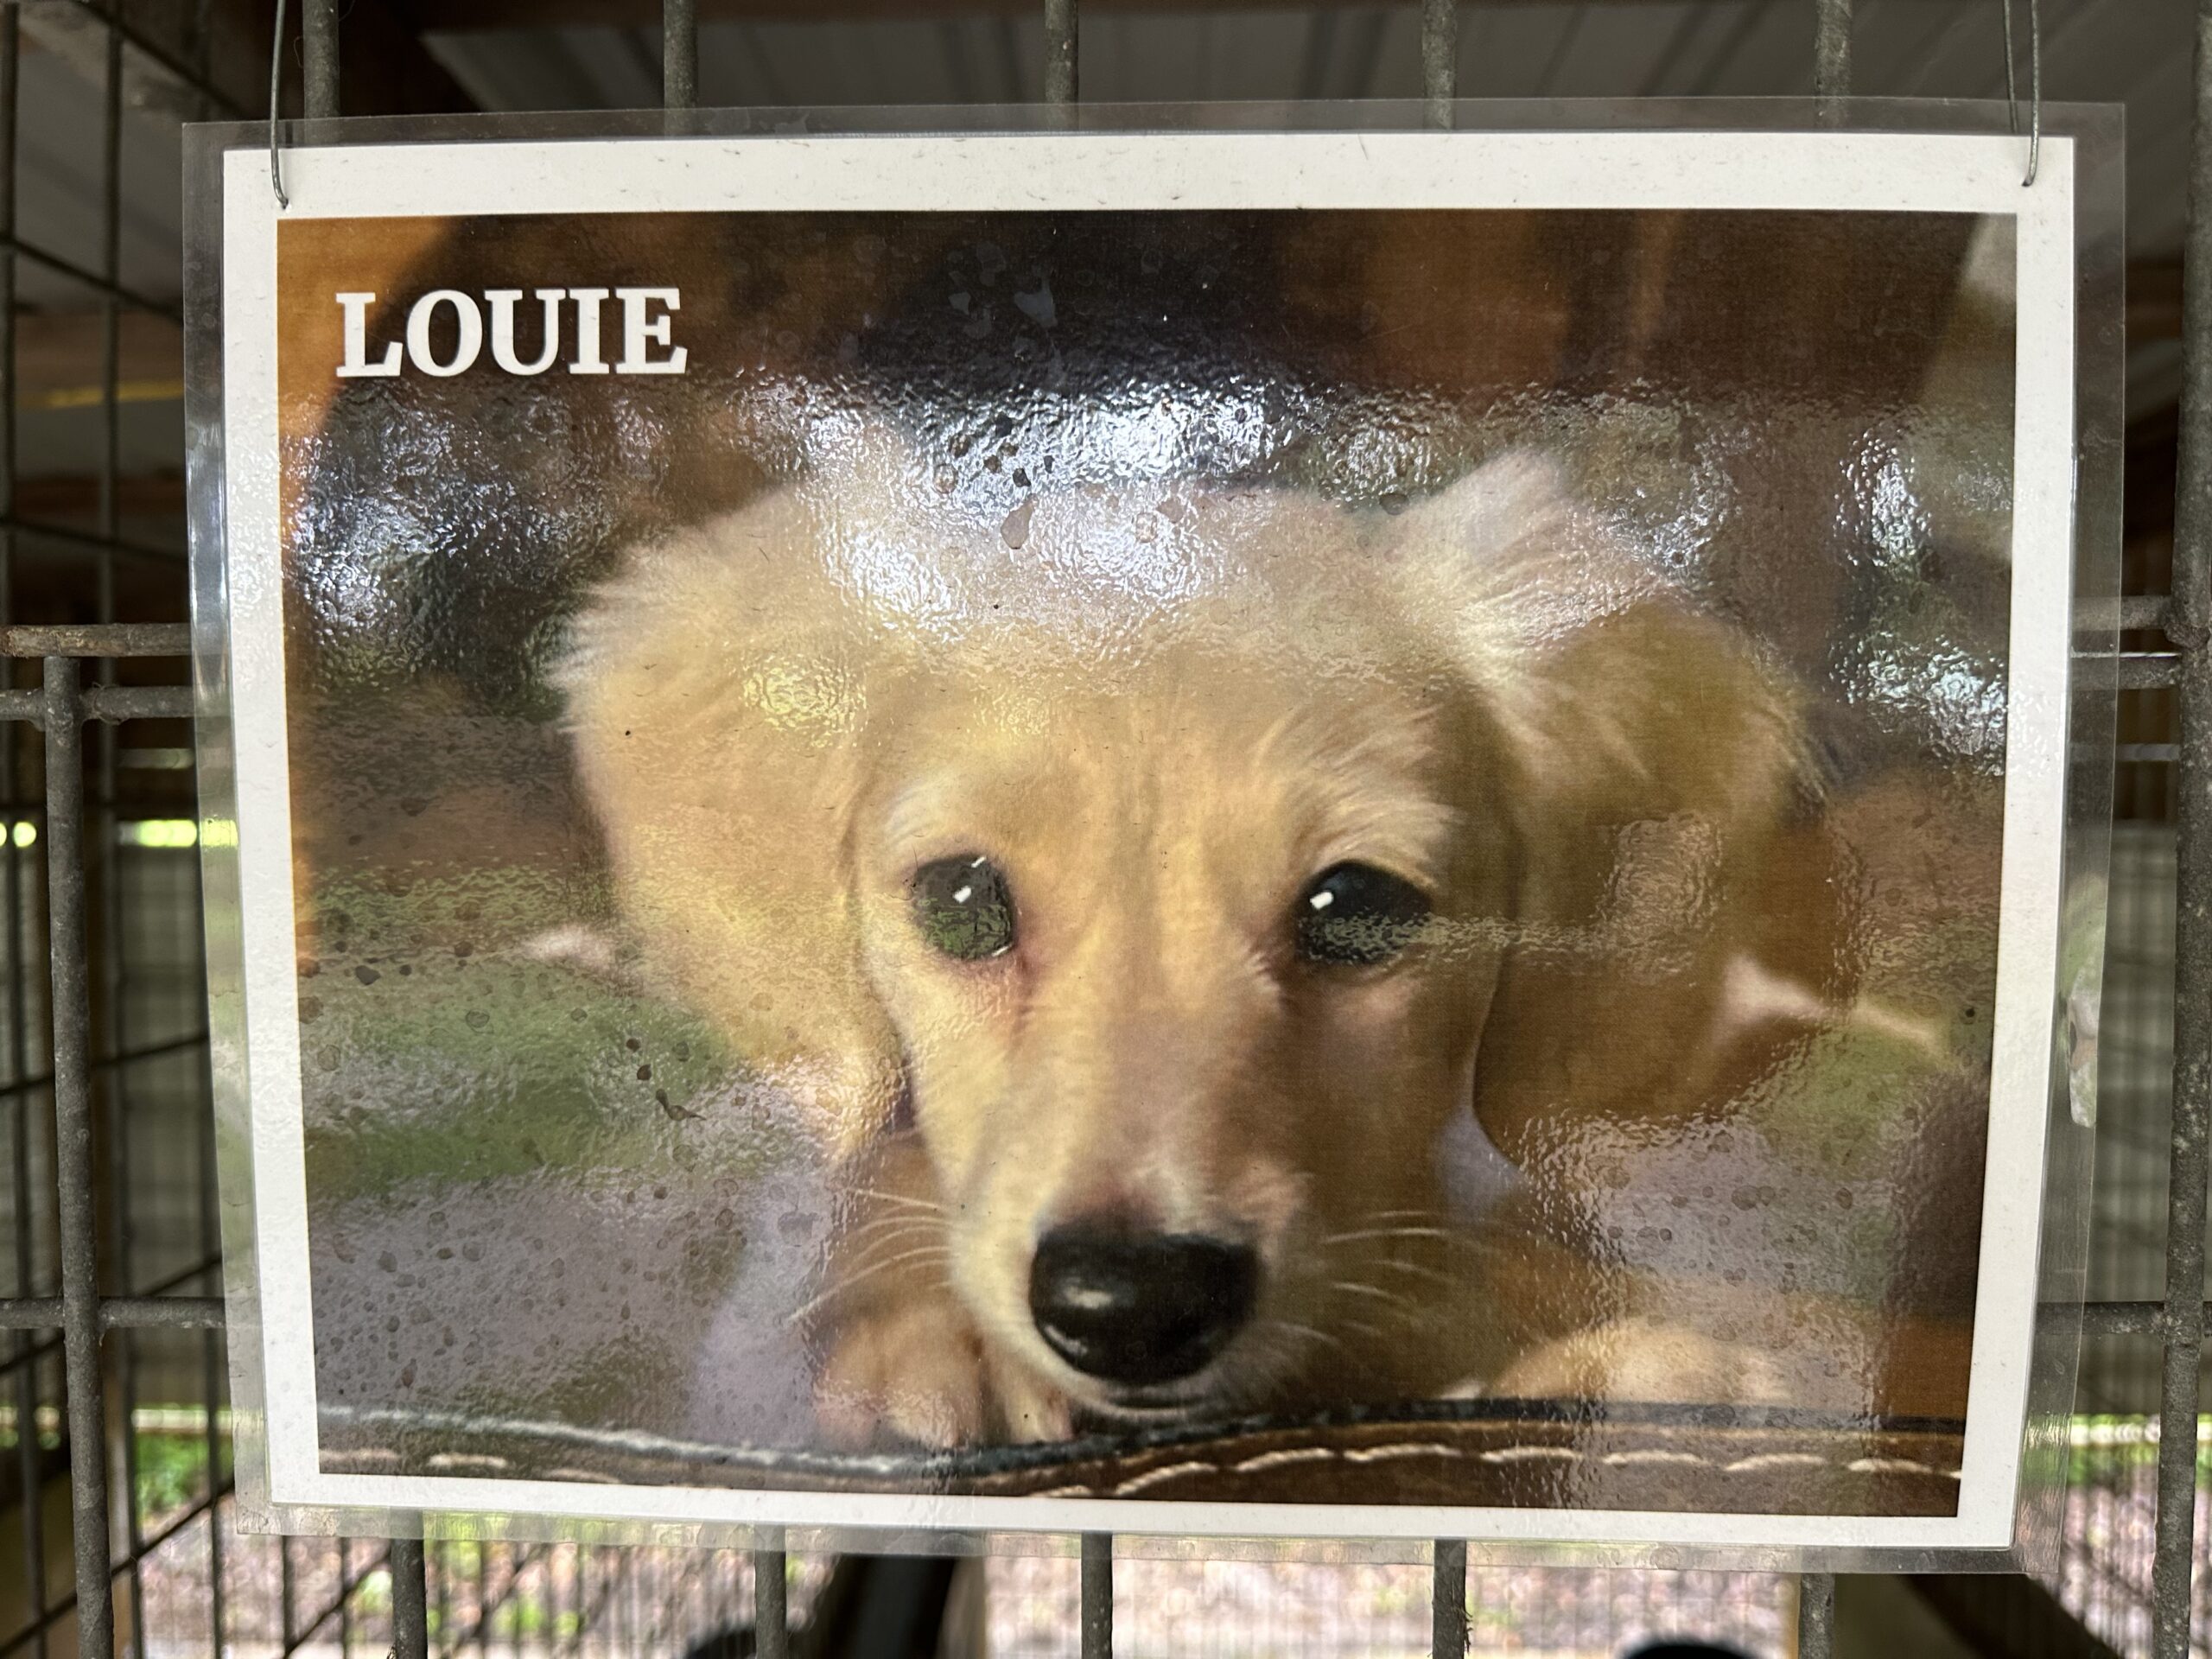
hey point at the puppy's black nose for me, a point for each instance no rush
(1139, 1308)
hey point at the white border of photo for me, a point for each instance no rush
(243, 664)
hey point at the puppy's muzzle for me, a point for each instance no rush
(1140, 1309)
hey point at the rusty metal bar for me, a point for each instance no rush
(771, 1628)
(679, 55)
(2134, 611)
(1097, 1614)
(287, 1625)
(319, 24)
(28, 1472)
(2190, 625)
(73, 1174)
(1440, 59)
(2123, 1318)
(116, 1312)
(109, 702)
(159, 1293)
(318, 58)
(1815, 1615)
(109, 522)
(1830, 80)
(1061, 84)
(168, 1312)
(1062, 88)
(214, 1346)
(1831, 49)
(94, 639)
(1447, 1601)
(410, 1608)
(2140, 670)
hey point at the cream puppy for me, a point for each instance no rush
(1134, 891)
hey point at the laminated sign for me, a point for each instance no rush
(1360, 833)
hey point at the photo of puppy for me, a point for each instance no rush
(1086, 835)
(1181, 868)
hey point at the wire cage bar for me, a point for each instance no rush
(62, 707)
(2189, 625)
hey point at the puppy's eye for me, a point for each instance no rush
(964, 908)
(1357, 915)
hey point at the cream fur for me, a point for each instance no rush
(1162, 709)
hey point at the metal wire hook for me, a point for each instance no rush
(2011, 85)
(278, 87)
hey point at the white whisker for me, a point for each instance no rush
(1413, 1268)
(930, 1205)
(875, 1255)
(921, 1226)
(1358, 1289)
(1292, 1327)
(853, 1280)
(1388, 1232)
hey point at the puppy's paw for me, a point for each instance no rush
(1649, 1361)
(1028, 1409)
(912, 1374)
(920, 1374)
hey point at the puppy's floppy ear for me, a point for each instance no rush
(1655, 787)
(717, 698)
